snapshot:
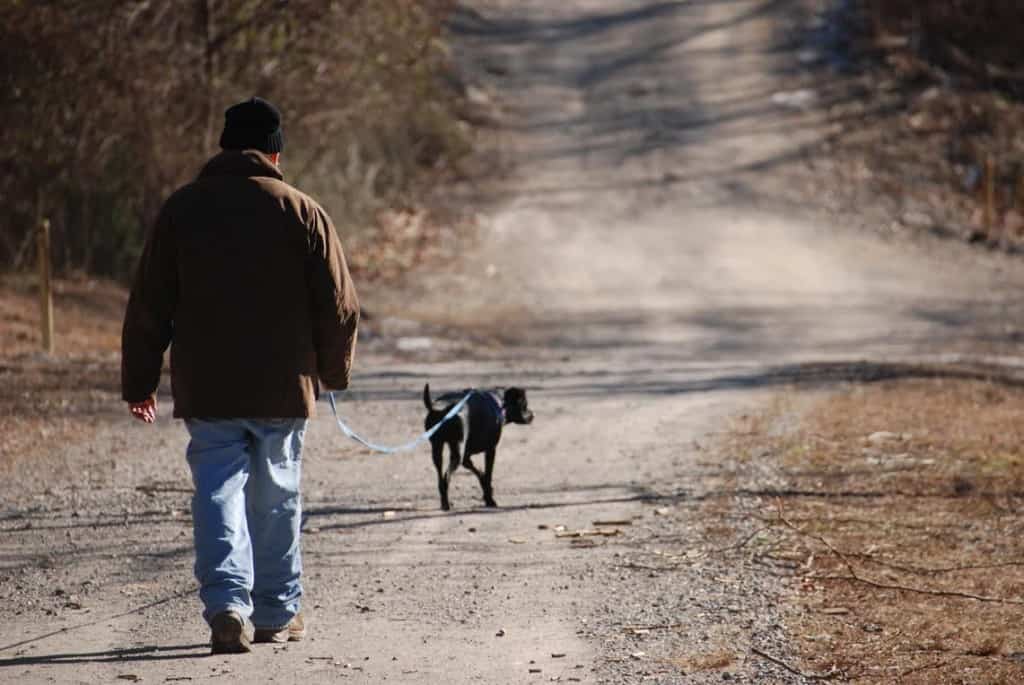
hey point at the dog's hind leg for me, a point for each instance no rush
(442, 475)
(454, 458)
(485, 482)
(467, 461)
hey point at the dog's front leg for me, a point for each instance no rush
(485, 482)
(467, 461)
(437, 452)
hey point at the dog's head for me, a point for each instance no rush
(451, 431)
(516, 408)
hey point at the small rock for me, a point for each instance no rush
(878, 437)
(795, 99)
(500, 633)
(478, 96)
(917, 220)
(808, 56)
(414, 344)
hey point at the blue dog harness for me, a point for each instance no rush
(486, 417)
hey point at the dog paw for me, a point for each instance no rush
(490, 504)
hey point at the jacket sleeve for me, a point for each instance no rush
(149, 319)
(334, 304)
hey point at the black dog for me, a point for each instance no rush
(485, 414)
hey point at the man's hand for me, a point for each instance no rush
(144, 411)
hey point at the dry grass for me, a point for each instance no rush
(904, 548)
(87, 317)
(48, 401)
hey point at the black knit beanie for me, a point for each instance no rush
(252, 125)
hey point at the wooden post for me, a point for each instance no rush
(45, 286)
(1018, 201)
(990, 196)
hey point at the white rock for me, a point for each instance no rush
(796, 99)
(414, 344)
(879, 437)
(917, 220)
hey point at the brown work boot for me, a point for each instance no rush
(229, 634)
(294, 631)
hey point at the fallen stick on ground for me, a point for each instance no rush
(644, 567)
(854, 576)
(586, 533)
(779, 662)
(926, 571)
(632, 627)
(737, 545)
(921, 591)
(926, 667)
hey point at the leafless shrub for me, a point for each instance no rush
(110, 104)
(974, 37)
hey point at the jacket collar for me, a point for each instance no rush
(246, 163)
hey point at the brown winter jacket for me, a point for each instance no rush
(245, 277)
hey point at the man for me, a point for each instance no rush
(244, 277)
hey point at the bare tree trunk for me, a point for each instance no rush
(209, 123)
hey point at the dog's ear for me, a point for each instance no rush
(515, 396)
(426, 397)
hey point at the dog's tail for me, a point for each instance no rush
(426, 397)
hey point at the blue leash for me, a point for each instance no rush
(400, 448)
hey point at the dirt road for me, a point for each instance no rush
(646, 271)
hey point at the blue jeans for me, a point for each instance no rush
(246, 514)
